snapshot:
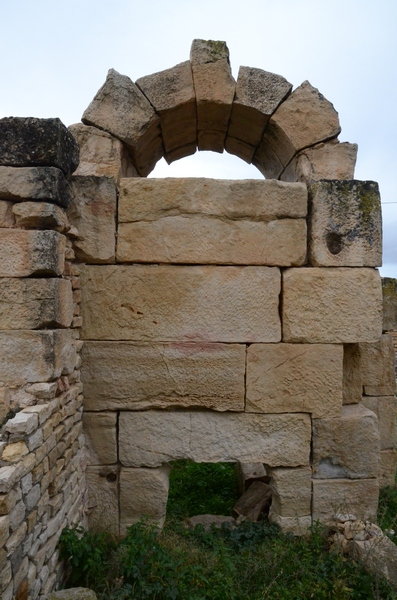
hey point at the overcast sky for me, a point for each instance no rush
(56, 54)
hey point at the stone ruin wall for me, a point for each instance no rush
(220, 320)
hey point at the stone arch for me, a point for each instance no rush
(287, 135)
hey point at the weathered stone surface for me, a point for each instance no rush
(377, 367)
(389, 290)
(345, 224)
(143, 493)
(203, 240)
(35, 303)
(40, 215)
(72, 594)
(121, 109)
(4, 403)
(100, 437)
(101, 154)
(331, 305)
(247, 473)
(332, 160)
(93, 213)
(387, 468)
(253, 501)
(124, 375)
(178, 153)
(295, 378)
(304, 119)
(37, 142)
(7, 218)
(291, 492)
(346, 447)
(385, 408)
(171, 93)
(354, 496)
(215, 87)
(35, 356)
(240, 149)
(103, 498)
(150, 303)
(258, 94)
(14, 452)
(352, 386)
(254, 199)
(378, 555)
(34, 183)
(294, 525)
(27, 253)
(154, 437)
(210, 521)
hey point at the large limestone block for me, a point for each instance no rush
(330, 160)
(101, 154)
(34, 183)
(198, 239)
(37, 142)
(252, 199)
(27, 253)
(385, 409)
(103, 498)
(331, 305)
(143, 493)
(348, 446)
(345, 224)
(172, 95)
(131, 376)
(389, 290)
(100, 437)
(35, 303)
(258, 94)
(352, 386)
(295, 378)
(153, 437)
(35, 356)
(304, 119)
(93, 213)
(121, 109)
(358, 497)
(387, 468)
(377, 367)
(179, 303)
(40, 215)
(291, 492)
(7, 218)
(215, 87)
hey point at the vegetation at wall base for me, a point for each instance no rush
(254, 561)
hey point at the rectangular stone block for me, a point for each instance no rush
(26, 253)
(130, 376)
(154, 437)
(203, 240)
(346, 447)
(40, 215)
(103, 498)
(377, 367)
(46, 184)
(291, 492)
(93, 213)
(352, 387)
(295, 378)
(143, 493)
(345, 224)
(6, 216)
(385, 408)
(179, 303)
(100, 437)
(358, 497)
(35, 303)
(389, 290)
(251, 199)
(387, 468)
(35, 356)
(340, 305)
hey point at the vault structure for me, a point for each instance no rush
(215, 320)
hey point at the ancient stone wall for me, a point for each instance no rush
(220, 320)
(42, 483)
